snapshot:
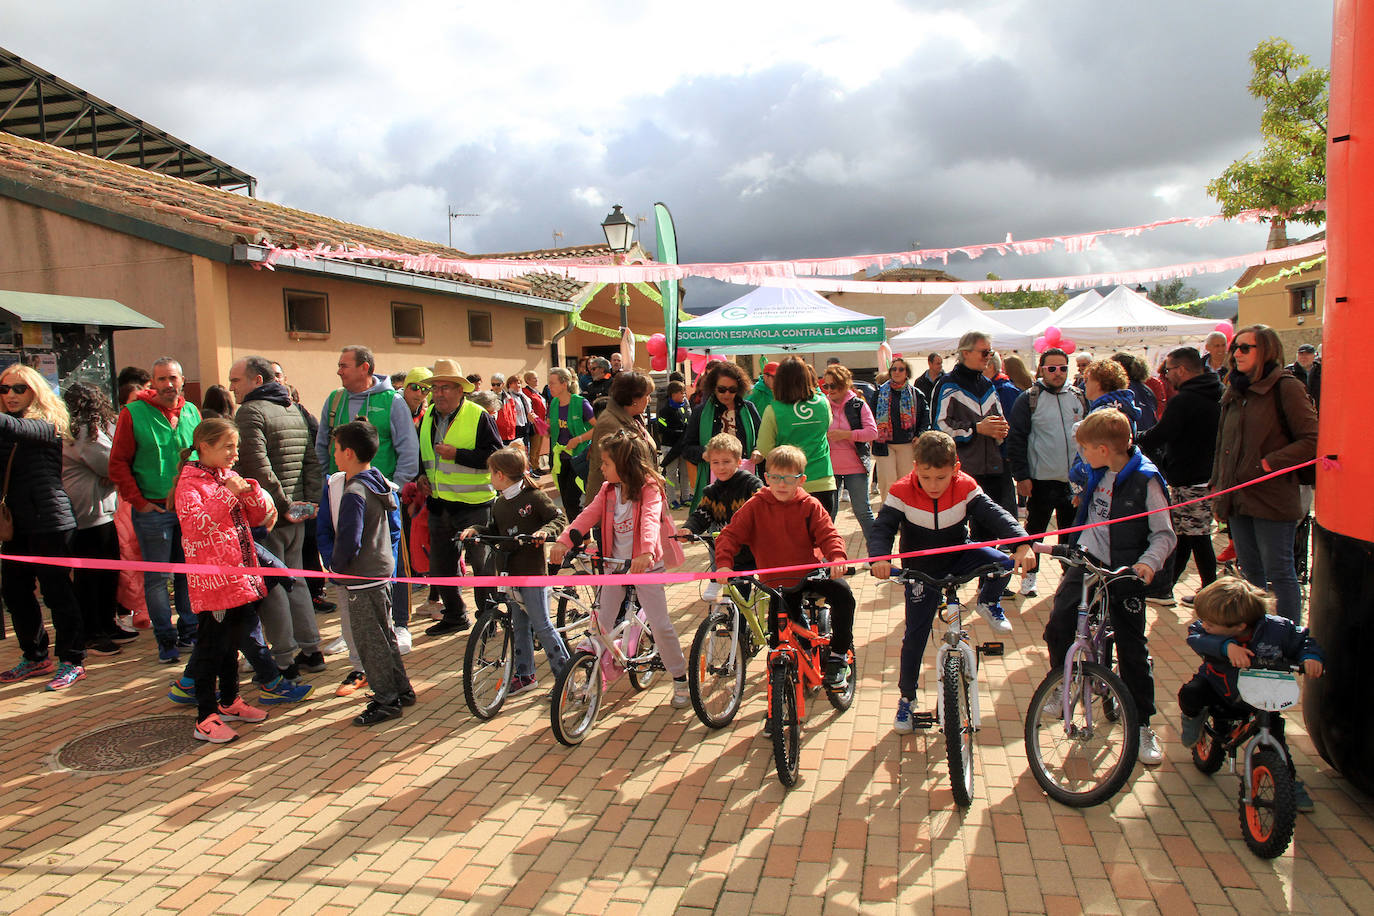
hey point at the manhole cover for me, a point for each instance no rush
(127, 746)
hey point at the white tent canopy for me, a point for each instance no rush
(1072, 307)
(1024, 319)
(773, 318)
(1125, 319)
(939, 332)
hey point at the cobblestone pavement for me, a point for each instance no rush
(440, 812)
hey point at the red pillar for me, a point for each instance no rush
(1337, 710)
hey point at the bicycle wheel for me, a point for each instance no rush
(576, 699)
(487, 664)
(574, 604)
(1267, 816)
(786, 726)
(1075, 764)
(715, 682)
(844, 698)
(644, 670)
(958, 727)
(1210, 749)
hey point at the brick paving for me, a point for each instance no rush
(439, 812)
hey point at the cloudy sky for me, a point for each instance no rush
(772, 130)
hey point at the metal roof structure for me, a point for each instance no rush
(37, 105)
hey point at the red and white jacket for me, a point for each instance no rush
(921, 522)
(214, 530)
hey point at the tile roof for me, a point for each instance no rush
(226, 218)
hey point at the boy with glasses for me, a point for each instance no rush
(1040, 447)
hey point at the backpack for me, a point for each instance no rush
(1307, 476)
(1034, 397)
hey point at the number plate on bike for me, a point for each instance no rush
(1270, 691)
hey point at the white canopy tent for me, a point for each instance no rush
(1072, 307)
(780, 318)
(1124, 319)
(1024, 319)
(939, 332)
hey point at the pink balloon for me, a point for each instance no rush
(1226, 328)
(1041, 345)
(658, 362)
(1052, 336)
(657, 345)
(1067, 345)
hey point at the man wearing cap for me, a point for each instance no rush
(456, 439)
(1302, 366)
(415, 392)
(761, 395)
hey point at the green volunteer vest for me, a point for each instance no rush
(158, 452)
(804, 425)
(377, 412)
(449, 480)
(576, 425)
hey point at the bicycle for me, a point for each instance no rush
(1268, 807)
(629, 647)
(1082, 741)
(733, 632)
(488, 661)
(957, 708)
(796, 667)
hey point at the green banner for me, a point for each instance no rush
(782, 336)
(667, 254)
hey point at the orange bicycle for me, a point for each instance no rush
(796, 668)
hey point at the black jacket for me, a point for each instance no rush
(1182, 444)
(35, 497)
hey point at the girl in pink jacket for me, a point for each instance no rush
(631, 511)
(216, 507)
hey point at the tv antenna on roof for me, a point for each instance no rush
(452, 215)
(557, 234)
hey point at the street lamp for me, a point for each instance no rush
(619, 237)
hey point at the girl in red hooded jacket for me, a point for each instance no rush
(216, 507)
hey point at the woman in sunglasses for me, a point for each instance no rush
(1268, 423)
(723, 409)
(33, 425)
(901, 414)
(800, 416)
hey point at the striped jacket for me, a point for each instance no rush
(924, 522)
(962, 399)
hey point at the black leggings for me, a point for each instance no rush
(1199, 547)
(215, 658)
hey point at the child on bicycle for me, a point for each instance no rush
(931, 507)
(786, 526)
(732, 488)
(522, 508)
(1233, 628)
(1123, 482)
(631, 509)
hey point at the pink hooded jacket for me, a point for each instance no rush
(652, 530)
(213, 532)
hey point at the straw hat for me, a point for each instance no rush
(448, 370)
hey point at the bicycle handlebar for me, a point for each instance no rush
(1077, 556)
(1277, 664)
(522, 540)
(903, 576)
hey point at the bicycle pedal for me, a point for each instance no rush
(922, 719)
(992, 649)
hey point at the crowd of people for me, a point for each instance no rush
(399, 472)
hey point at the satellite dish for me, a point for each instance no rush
(911, 317)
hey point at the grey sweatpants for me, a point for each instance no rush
(288, 618)
(369, 619)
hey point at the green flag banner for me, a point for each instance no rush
(667, 254)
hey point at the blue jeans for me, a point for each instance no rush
(1264, 550)
(857, 485)
(533, 620)
(159, 537)
(921, 601)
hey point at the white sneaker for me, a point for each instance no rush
(995, 616)
(337, 646)
(1150, 755)
(711, 592)
(403, 640)
(1027, 589)
(681, 696)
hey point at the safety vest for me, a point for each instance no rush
(576, 423)
(158, 452)
(805, 424)
(449, 480)
(377, 411)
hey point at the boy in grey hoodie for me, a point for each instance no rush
(358, 529)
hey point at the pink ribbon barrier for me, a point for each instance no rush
(1328, 463)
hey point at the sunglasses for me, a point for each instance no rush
(896, 369)
(727, 389)
(985, 352)
(829, 386)
(1054, 368)
(1244, 348)
(17, 388)
(784, 478)
(414, 387)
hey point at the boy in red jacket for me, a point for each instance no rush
(783, 525)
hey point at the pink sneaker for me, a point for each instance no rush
(215, 731)
(239, 711)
